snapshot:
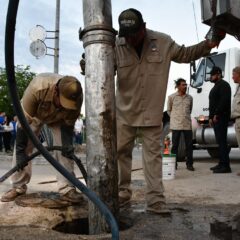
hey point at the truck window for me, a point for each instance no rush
(215, 60)
(199, 75)
(205, 66)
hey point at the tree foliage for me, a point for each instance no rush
(23, 77)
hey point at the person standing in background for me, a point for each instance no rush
(7, 134)
(78, 130)
(236, 104)
(219, 116)
(14, 131)
(2, 120)
(179, 108)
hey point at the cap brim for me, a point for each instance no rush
(127, 32)
(68, 104)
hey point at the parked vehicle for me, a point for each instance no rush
(200, 87)
(224, 15)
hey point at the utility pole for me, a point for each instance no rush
(56, 41)
(98, 38)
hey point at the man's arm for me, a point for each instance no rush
(182, 54)
(191, 104)
(225, 93)
(169, 105)
(29, 102)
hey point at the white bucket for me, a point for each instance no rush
(168, 166)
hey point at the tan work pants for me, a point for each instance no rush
(237, 130)
(151, 160)
(23, 177)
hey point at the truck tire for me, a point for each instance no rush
(181, 149)
(213, 152)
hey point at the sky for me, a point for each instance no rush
(173, 17)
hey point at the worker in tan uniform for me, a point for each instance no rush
(143, 59)
(236, 103)
(179, 108)
(54, 100)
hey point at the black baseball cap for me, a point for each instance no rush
(130, 22)
(215, 70)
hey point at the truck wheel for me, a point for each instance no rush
(181, 149)
(214, 152)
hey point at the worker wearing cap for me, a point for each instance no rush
(54, 100)
(143, 59)
(236, 103)
(219, 115)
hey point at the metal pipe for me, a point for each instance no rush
(98, 39)
(56, 41)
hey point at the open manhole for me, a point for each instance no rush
(81, 226)
(77, 226)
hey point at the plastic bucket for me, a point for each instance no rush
(168, 166)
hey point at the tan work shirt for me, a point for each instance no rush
(179, 109)
(142, 82)
(37, 102)
(236, 104)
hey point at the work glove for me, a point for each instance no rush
(21, 145)
(82, 64)
(215, 36)
(67, 141)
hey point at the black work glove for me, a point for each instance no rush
(67, 141)
(21, 145)
(82, 64)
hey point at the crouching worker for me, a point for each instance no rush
(54, 100)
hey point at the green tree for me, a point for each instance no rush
(23, 77)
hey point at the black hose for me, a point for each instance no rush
(9, 60)
(35, 154)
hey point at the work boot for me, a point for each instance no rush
(72, 196)
(158, 208)
(190, 168)
(13, 193)
(222, 169)
(215, 167)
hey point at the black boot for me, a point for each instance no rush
(216, 167)
(223, 169)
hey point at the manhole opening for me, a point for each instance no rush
(81, 226)
(77, 226)
(222, 230)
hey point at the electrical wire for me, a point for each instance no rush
(195, 20)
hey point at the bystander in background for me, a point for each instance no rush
(236, 104)
(78, 134)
